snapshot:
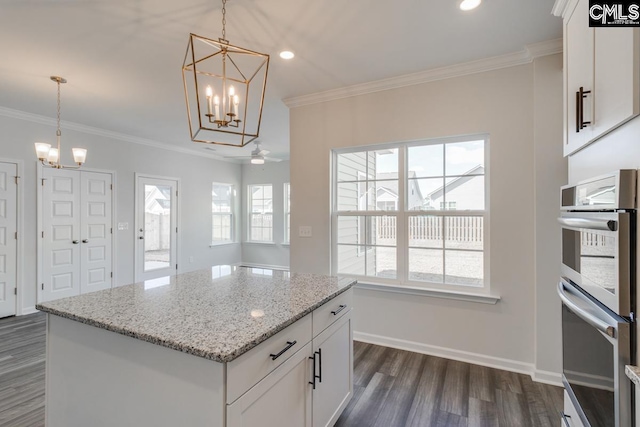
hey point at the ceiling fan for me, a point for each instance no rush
(257, 157)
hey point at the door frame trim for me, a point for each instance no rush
(19, 308)
(136, 221)
(114, 234)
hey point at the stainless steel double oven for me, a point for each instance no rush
(597, 289)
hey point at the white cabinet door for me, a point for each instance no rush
(8, 228)
(617, 76)
(579, 57)
(333, 353)
(281, 399)
(60, 234)
(96, 233)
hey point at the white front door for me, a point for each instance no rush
(96, 231)
(60, 234)
(156, 227)
(8, 242)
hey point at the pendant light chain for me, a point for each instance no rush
(58, 132)
(224, 19)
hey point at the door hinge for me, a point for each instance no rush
(176, 266)
(111, 186)
(112, 274)
(43, 180)
(16, 235)
(176, 229)
(43, 234)
(17, 178)
(15, 291)
(111, 230)
(176, 193)
(43, 286)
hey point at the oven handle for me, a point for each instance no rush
(600, 325)
(591, 224)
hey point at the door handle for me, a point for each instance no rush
(75, 242)
(85, 240)
(141, 237)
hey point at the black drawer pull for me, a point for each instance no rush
(340, 308)
(289, 345)
(565, 418)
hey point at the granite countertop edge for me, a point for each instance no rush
(214, 356)
(633, 373)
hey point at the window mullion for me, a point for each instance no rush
(402, 251)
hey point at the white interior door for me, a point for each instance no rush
(156, 227)
(8, 242)
(60, 234)
(96, 231)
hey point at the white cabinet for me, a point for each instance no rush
(310, 387)
(333, 359)
(570, 415)
(281, 399)
(602, 89)
(76, 235)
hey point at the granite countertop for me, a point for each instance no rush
(217, 313)
(633, 372)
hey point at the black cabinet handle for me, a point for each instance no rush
(319, 352)
(581, 94)
(564, 418)
(340, 308)
(75, 242)
(85, 240)
(313, 382)
(289, 345)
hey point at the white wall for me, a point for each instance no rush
(276, 254)
(500, 103)
(550, 174)
(196, 175)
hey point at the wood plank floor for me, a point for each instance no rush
(391, 387)
(400, 388)
(22, 350)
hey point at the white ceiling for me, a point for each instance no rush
(123, 58)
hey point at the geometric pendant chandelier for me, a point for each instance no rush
(224, 87)
(50, 156)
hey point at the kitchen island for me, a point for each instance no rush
(232, 347)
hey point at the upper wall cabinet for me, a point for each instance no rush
(602, 77)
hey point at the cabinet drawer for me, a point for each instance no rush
(248, 369)
(325, 315)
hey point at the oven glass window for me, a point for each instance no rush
(593, 255)
(588, 365)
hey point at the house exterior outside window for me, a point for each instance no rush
(222, 215)
(412, 213)
(260, 221)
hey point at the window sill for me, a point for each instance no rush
(435, 293)
(249, 242)
(214, 245)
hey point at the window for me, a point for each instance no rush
(287, 212)
(222, 213)
(260, 213)
(412, 213)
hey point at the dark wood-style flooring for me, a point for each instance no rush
(400, 388)
(22, 350)
(391, 387)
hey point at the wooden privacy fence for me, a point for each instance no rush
(454, 228)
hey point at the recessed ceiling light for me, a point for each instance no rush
(469, 4)
(286, 54)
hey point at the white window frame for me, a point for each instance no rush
(231, 214)
(249, 212)
(286, 239)
(402, 219)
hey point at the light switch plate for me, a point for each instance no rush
(305, 231)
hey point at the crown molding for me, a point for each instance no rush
(525, 56)
(560, 8)
(48, 121)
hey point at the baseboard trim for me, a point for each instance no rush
(547, 377)
(28, 310)
(462, 356)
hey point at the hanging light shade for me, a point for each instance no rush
(50, 156)
(224, 88)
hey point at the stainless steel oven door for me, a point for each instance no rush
(596, 346)
(596, 255)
